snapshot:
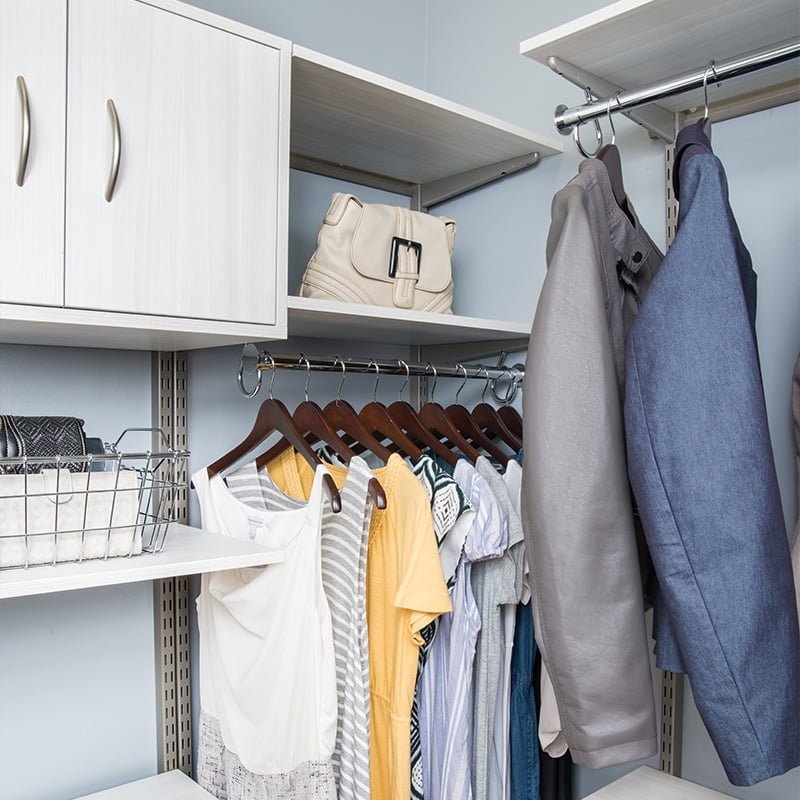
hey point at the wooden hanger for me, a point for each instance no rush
(488, 418)
(513, 419)
(435, 419)
(343, 417)
(274, 417)
(379, 420)
(460, 416)
(313, 425)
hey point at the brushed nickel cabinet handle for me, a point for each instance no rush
(117, 151)
(25, 141)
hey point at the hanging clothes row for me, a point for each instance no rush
(379, 655)
(649, 477)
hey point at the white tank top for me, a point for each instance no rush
(267, 665)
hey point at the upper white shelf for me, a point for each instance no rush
(356, 322)
(633, 43)
(187, 551)
(355, 118)
(172, 785)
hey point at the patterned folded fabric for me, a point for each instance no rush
(42, 437)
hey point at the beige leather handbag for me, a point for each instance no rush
(382, 255)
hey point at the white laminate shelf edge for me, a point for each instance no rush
(646, 783)
(172, 785)
(633, 43)
(187, 551)
(349, 116)
(357, 322)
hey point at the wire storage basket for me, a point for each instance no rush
(55, 509)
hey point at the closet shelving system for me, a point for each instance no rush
(650, 59)
(345, 123)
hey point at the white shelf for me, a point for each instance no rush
(633, 43)
(172, 785)
(646, 782)
(349, 116)
(187, 551)
(67, 327)
(356, 322)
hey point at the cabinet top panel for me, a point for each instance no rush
(348, 116)
(633, 43)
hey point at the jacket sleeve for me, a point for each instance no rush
(577, 506)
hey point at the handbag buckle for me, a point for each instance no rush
(397, 242)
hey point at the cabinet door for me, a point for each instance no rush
(190, 227)
(33, 62)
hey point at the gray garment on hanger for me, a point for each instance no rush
(580, 532)
(495, 582)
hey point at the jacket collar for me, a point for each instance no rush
(630, 240)
(691, 141)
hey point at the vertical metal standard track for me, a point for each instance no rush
(171, 595)
(671, 682)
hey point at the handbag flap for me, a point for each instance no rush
(371, 249)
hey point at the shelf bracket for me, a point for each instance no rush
(656, 119)
(434, 192)
(471, 351)
(341, 172)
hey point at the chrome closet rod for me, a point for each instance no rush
(254, 361)
(566, 118)
(383, 366)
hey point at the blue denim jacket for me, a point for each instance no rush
(701, 466)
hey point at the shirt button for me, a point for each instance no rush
(637, 257)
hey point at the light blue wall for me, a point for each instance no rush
(77, 711)
(388, 38)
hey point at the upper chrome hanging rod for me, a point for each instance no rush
(566, 118)
(253, 361)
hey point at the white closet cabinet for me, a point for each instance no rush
(191, 226)
(33, 57)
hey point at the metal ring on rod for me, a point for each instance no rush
(463, 383)
(240, 378)
(401, 363)
(511, 391)
(337, 359)
(598, 132)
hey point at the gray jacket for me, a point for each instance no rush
(579, 521)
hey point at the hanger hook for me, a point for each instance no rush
(463, 383)
(610, 119)
(401, 363)
(339, 360)
(304, 360)
(598, 132)
(374, 363)
(273, 366)
(710, 67)
(485, 385)
(511, 390)
(430, 366)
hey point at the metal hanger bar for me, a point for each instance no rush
(266, 361)
(723, 70)
(657, 120)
